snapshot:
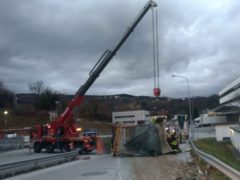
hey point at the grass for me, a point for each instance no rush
(20, 121)
(215, 174)
(102, 127)
(212, 172)
(222, 151)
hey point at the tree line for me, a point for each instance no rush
(7, 97)
(44, 97)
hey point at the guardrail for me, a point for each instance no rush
(224, 168)
(15, 168)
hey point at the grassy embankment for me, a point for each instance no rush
(209, 172)
(224, 151)
(20, 121)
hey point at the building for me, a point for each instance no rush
(181, 120)
(131, 117)
(230, 107)
(209, 119)
(230, 102)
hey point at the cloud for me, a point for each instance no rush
(59, 41)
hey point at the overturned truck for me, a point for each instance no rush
(140, 140)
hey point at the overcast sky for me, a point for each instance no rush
(59, 41)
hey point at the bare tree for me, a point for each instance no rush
(1, 85)
(6, 97)
(36, 87)
(45, 96)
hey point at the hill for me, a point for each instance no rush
(100, 108)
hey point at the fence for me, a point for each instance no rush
(11, 142)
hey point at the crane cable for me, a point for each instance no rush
(156, 13)
(155, 49)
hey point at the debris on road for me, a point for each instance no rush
(166, 167)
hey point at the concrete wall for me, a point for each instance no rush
(223, 131)
(235, 138)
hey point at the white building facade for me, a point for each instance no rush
(230, 106)
(131, 117)
(230, 101)
(224, 132)
(235, 137)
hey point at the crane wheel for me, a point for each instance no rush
(37, 147)
(66, 148)
(50, 148)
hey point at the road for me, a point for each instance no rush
(101, 167)
(106, 167)
(20, 155)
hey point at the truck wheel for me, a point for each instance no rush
(37, 147)
(50, 148)
(66, 148)
(80, 150)
(87, 151)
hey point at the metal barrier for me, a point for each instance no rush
(15, 168)
(224, 168)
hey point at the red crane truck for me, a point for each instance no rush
(62, 133)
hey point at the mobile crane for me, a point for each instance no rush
(62, 133)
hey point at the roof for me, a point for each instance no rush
(232, 85)
(231, 93)
(226, 124)
(227, 109)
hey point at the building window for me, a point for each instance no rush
(140, 122)
(128, 116)
(130, 122)
(232, 118)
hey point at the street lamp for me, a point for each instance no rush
(189, 101)
(5, 120)
(57, 107)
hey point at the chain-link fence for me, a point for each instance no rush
(11, 142)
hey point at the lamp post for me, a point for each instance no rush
(57, 107)
(5, 119)
(189, 101)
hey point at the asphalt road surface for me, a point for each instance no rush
(106, 167)
(101, 167)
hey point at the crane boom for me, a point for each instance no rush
(103, 61)
(108, 54)
(62, 132)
